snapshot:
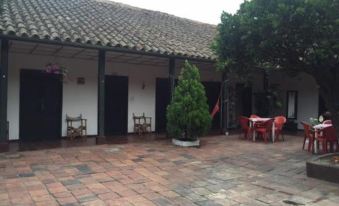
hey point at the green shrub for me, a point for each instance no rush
(187, 115)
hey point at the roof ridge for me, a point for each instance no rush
(150, 10)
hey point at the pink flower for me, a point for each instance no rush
(48, 68)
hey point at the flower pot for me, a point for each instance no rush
(186, 142)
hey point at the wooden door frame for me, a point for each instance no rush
(23, 70)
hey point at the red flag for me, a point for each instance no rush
(216, 109)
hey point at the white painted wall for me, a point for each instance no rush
(143, 100)
(77, 99)
(306, 86)
(208, 72)
(82, 99)
(139, 100)
(308, 94)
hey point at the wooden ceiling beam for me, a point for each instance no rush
(57, 50)
(78, 53)
(34, 48)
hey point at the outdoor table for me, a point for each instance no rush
(318, 128)
(256, 120)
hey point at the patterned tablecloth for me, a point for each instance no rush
(317, 128)
(256, 119)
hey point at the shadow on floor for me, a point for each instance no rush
(14, 146)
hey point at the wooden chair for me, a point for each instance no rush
(308, 135)
(138, 124)
(142, 124)
(147, 126)
(76, 126)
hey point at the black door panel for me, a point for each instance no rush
(116, 105)
(162, 100)
(212, 93)
(40, 105)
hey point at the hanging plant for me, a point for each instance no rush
(54, 68)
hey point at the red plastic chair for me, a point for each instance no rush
(328, 135)
(308, 135)
(256, 124)
(279, 123)
(265, 129)
(327, 122)
(244, 123)
(254, 116)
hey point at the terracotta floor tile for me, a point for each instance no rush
(223, 171)
(109, 196)
(66, 200)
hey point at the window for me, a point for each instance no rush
(292, 104)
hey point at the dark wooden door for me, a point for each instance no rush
(40, 105)
(116, 105)
(212, 93)
(162, 100)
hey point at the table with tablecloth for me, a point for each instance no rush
(317, 128)
(255, 120)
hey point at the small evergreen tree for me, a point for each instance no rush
(187, 115)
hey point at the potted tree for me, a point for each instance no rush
(188, 113)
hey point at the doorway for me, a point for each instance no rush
(40, 105)
(243, 100)
(321, 106)
(162, 100)
(116, 105)
(212, 93)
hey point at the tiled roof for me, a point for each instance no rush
(108, 24)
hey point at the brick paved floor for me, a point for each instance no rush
(224, 171)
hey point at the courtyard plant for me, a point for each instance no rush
(188, 113)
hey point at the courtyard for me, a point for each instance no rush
(223, 171)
